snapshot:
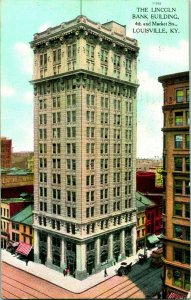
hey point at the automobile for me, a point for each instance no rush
(124, 269)
(142, 258)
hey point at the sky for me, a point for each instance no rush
(159, 54)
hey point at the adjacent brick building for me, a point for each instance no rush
(6, 149)
(176, 184)
(15, 181)
(85, 84)
(9, 207)
(20, 228)
(149, 220)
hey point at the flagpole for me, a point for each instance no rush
(81, 7)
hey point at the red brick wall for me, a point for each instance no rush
(16, 207)
(14, 192)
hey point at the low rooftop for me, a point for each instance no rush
(25, 216)
(143, 202)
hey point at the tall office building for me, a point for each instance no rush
(85, 85)
(177, 185)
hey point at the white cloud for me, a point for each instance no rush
(148, 84)
(25, 57)
(7, 91)
(28, 97)
(171, 55)
(43, 27)
(149, 140)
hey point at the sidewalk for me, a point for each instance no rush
(68, 282)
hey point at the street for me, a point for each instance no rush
(141, 281)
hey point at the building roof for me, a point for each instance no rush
(16, 171)
(173, 76)
(25, 216)
(143, 202)
(14, 200)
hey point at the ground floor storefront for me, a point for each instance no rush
(86, 257)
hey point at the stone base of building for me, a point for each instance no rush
(81, 275)
(37, 259)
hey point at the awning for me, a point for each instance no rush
(153, 239)
(23, 248)
(173, 295)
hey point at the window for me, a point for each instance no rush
(187, 95)
(72, 51)
(90, 100)
(187, 210)
(181, 279)
(187, 164)
(187, 141)
(116, 61)
(43, 59)
(187, 118)
(182, 255)
(90, 51)
(182, 232)
(56, 56)
(178, 163)
(178, 118)
(178, 186)
(128, 65)
(104, 56)
(187, 187)
(15, 237)
(71, 100)
(179, 96)
(178, 141)
(178, 209)
(15, 226)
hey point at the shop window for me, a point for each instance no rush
(187, 281)
(56, 258)
(177, 278)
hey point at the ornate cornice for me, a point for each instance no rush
(175, 106)
(82, 27)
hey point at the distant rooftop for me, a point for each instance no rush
(15, 171)
(14, 200)
(143, 202)
(25, 216)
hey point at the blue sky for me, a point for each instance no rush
(160, 54)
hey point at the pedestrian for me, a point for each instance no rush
(27, 262)
(64, 272)
(67, 271)
(105, 272)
